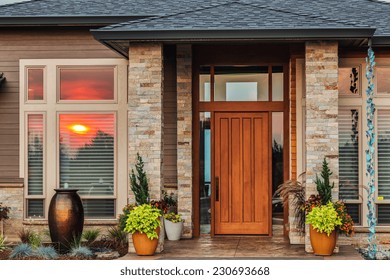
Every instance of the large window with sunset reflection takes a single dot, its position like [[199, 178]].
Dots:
[[87, 156], [74, 121]]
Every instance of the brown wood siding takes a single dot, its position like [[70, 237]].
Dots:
[[33, 43], [296, 52], [170, 117], [293, 118]]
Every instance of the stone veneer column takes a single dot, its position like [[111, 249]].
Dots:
[[321, 115], [145, 115], [184, 135], [145, 112]]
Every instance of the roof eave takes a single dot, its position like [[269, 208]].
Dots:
[[259, 34], [71, 20], [381, 40]]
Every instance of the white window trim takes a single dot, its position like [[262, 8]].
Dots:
[[52, 107]]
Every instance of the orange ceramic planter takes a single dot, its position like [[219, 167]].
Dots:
[[323, 245], [143, 245]]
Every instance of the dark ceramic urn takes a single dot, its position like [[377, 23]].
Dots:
[[66, 217]]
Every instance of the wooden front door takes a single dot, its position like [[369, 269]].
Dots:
[[241, 173]]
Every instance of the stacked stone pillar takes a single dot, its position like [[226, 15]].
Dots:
[[321, 115], [184, 135], [145, 114]]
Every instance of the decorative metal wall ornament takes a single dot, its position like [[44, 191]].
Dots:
[[370, 154]]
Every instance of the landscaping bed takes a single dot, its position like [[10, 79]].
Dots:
[[102, 250]]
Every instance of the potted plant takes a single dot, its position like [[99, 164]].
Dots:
[[326, 218], [324, 221], [173, 225], [143, 223]]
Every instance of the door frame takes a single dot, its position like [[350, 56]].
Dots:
[[236, 55]]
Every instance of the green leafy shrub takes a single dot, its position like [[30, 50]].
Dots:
[[35, 240], [324, 218], [48, 253], [21, 251], [139, 183], [81, 251], [173, 217], [2, 243], [144, 219], [91, 235]]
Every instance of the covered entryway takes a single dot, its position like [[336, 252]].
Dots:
[[241, 170], [240, 139]]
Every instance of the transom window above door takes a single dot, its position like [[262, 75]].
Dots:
[[241, 83]]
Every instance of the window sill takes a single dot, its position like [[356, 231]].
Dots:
[[379, 229], [110, 222]]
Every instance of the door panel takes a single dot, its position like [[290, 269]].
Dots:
[[242, 170]]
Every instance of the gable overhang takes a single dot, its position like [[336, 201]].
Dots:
[[119, 40]]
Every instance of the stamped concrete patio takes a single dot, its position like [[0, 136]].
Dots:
[[242, 247]]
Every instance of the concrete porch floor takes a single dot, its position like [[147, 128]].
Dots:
[[242, 247]]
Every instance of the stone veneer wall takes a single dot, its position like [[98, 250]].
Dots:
[[321, 64], [184, 135], [145, 114], [11, 195]]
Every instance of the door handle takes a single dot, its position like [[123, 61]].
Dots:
[[216, 188]]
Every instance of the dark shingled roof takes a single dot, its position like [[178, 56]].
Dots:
[[234, 16], [38, 8], [178, 15]]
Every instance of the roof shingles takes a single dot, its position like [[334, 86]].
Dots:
[[217, 14]]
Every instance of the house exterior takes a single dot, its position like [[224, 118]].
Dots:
[[224, 100]]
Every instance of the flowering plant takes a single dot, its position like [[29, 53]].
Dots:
[[347, 225], [4, 210]]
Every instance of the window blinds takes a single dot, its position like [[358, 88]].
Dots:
[[87, 160], [349, 153], [35, 207]]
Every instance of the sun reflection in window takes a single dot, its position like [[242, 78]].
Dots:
[[79, 128]]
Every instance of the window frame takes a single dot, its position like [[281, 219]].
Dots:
[[382, 101], [25, 91], [351, 64], [380, 65], [360, 200], [114, 195], [51, 108], [43, 195]]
